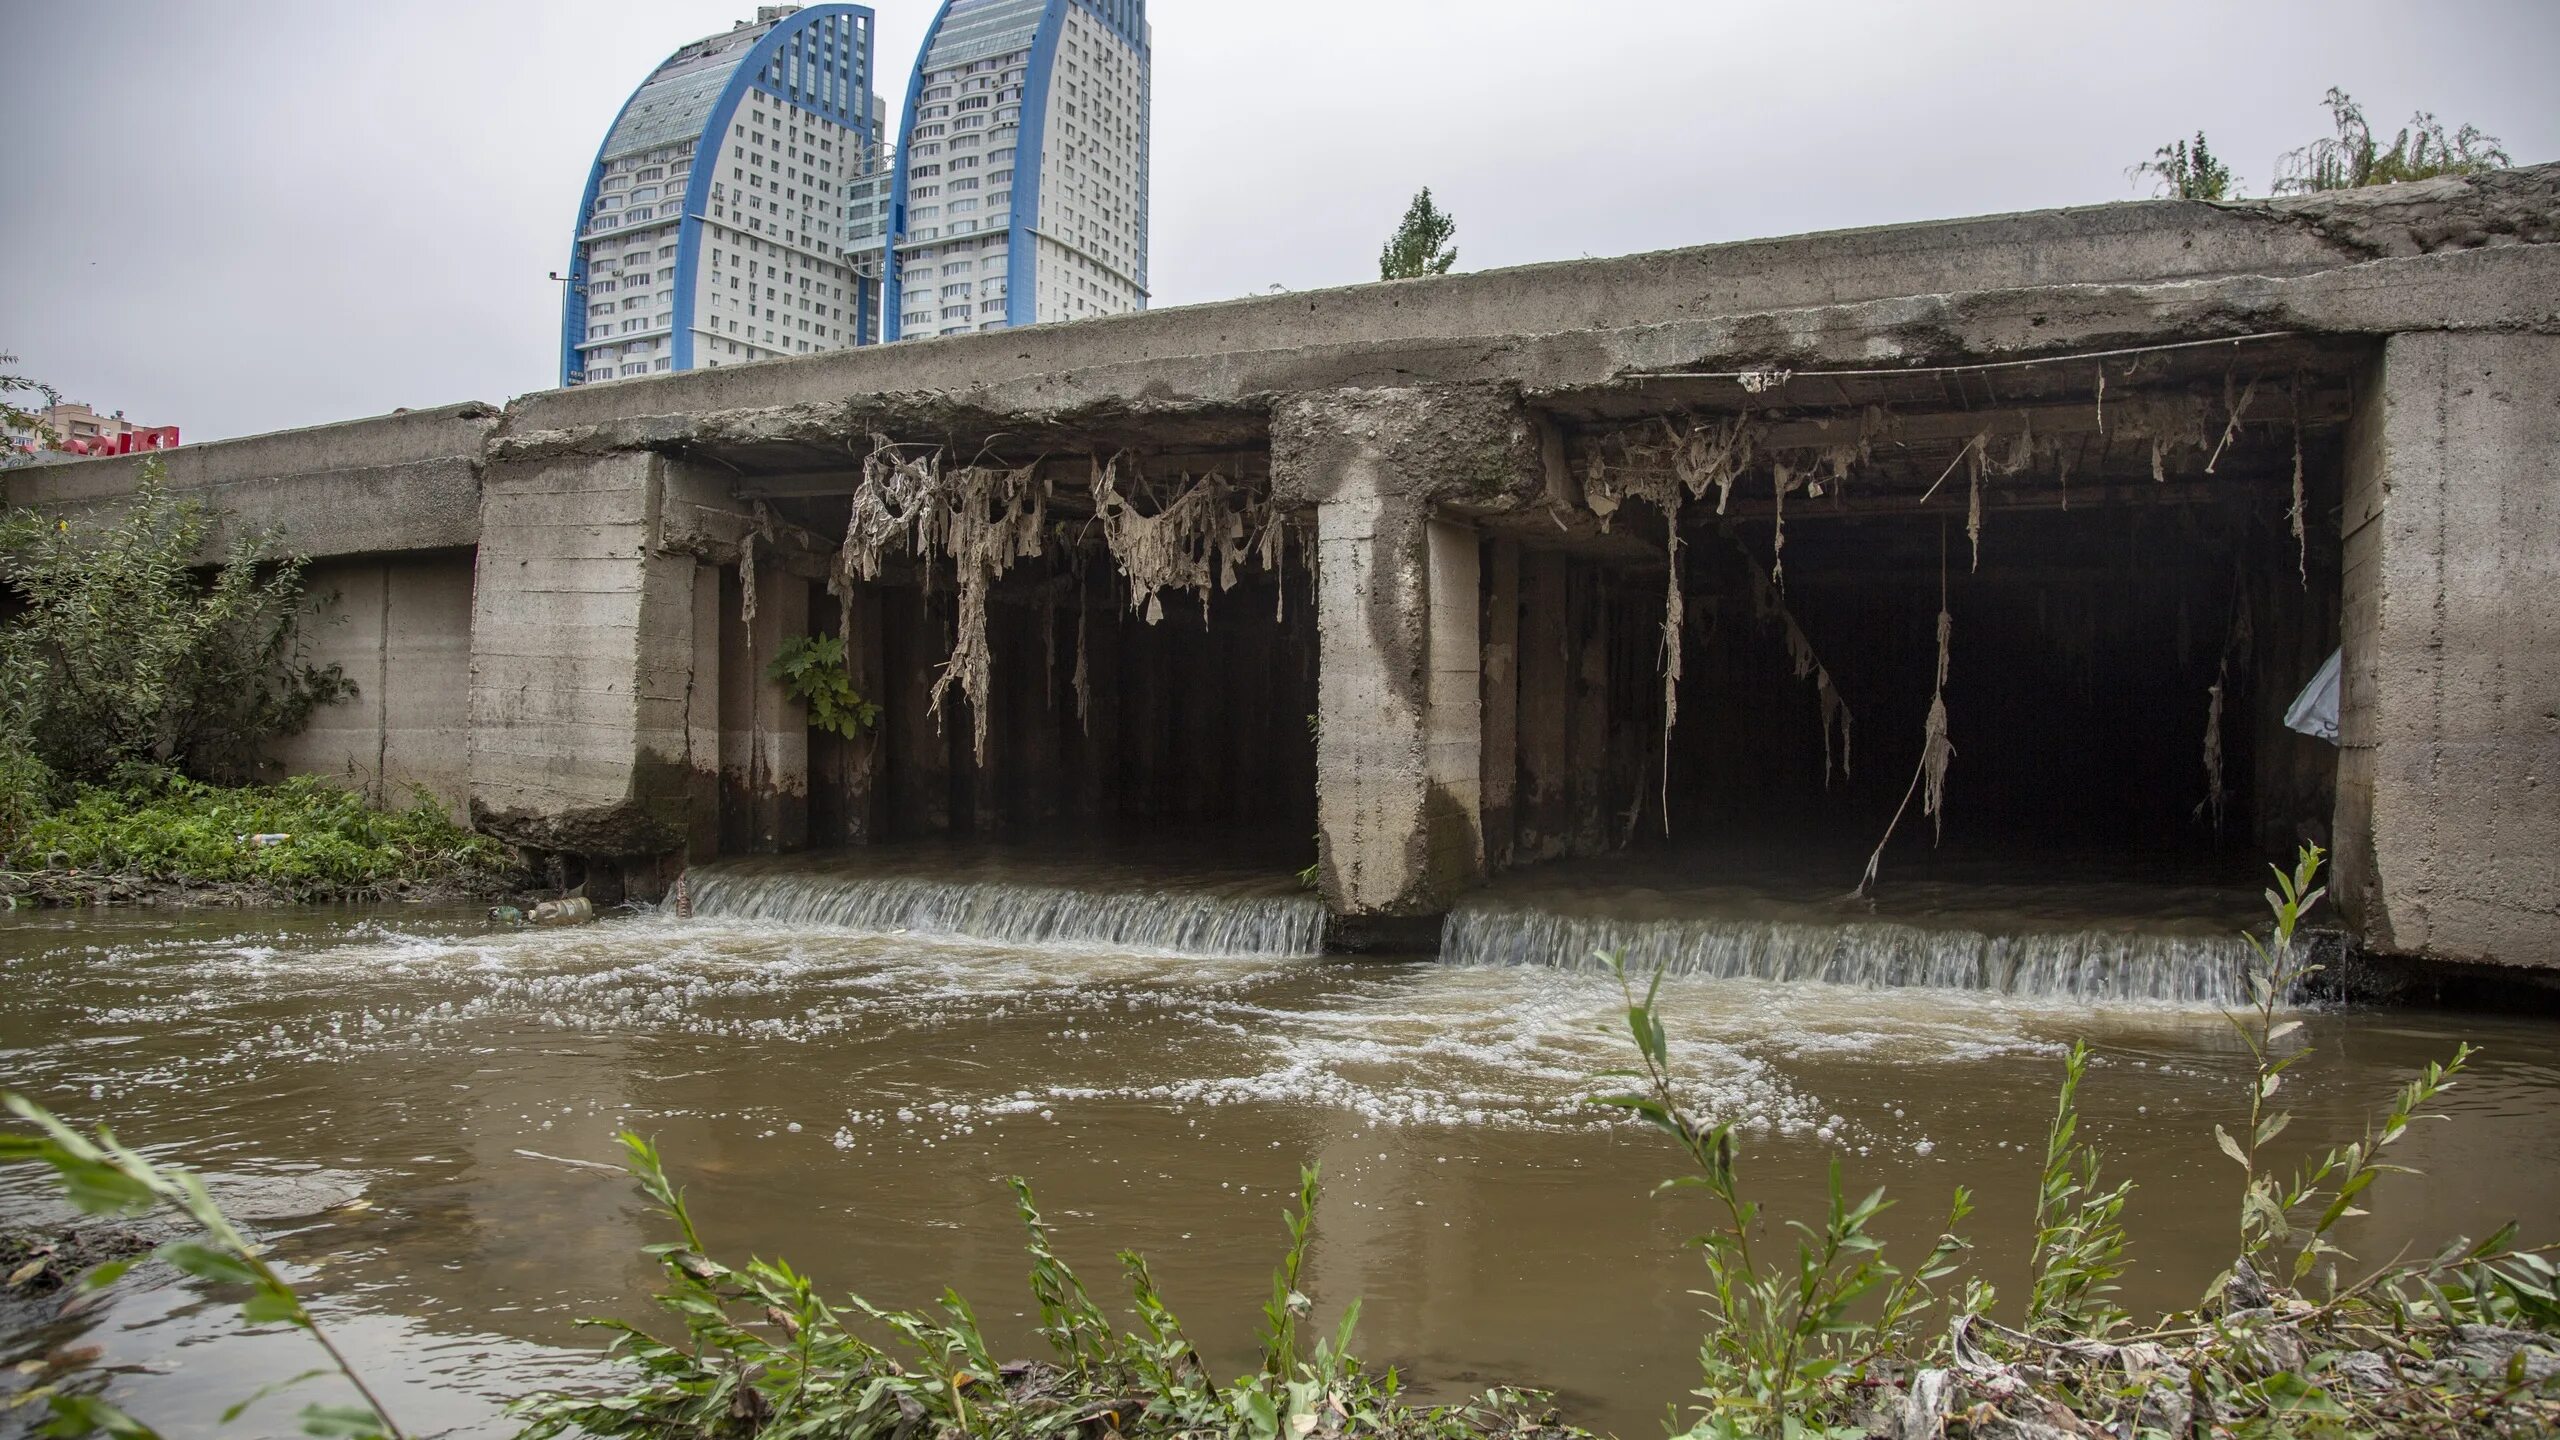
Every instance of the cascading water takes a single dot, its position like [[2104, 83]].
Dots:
[[1209, 920], [2092, 964]]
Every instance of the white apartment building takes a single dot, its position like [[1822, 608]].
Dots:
[[1020, 194], [735, 211]]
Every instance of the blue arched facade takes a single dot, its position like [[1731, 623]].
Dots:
[[1126, 18], [789, 62]]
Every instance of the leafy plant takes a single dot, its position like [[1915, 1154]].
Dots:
[[2188, 170], [105, 1177], [2352, 157], [812, 668], [1420, 245], [150, 827], [123, 655], [20, 423], [764, 1356], [1783, 1348], [2080, 1240]]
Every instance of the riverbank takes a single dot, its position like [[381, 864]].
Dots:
[[165, 840]]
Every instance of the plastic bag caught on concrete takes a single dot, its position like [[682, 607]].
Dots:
[[2315, 710]]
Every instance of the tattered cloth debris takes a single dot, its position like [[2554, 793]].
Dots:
[[2315, 710]]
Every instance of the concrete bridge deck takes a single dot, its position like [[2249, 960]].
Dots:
[[558, 612]]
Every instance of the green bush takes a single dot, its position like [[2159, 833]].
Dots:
[[155, 826], [126, 652]]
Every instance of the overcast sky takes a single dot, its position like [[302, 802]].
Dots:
[[246, 215]]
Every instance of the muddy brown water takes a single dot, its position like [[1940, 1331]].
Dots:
[[415, 1109]]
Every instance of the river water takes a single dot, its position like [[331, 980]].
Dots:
[[841, 1062]]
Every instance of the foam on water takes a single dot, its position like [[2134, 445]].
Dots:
[[2111, 965], [1219, 922]]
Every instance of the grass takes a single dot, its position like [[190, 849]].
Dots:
[[158, 836]]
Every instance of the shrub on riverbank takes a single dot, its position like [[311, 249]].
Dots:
[[127, 650], [155, 836]]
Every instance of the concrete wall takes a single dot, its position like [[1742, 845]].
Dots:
[[400, 627], [395, 482], [2449, 771], [582, 659], [1409, 331], [1406, 417]]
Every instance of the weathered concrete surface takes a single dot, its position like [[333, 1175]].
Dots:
[[582, 636], [400, 627], [2045, 278], [364, 487], [2449, 771], [1399, 791], [764, 733], [1404, 416]]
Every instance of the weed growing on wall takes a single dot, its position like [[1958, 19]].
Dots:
[[812, 668]]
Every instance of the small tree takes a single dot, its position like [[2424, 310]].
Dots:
[[16, 419], [1421, 244], [125, 654], [2187, 170], [2352, 157]]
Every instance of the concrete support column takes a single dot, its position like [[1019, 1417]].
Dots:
[[765, 762], [582, 653], [1501, 697], [1398, 745], [865, 662], [702, 717], [1399, 749], [2449, 759], [1544, 800]]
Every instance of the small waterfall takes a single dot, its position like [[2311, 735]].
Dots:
[[2089, 965], [1206, 922]]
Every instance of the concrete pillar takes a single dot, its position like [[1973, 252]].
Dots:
[[702, 717], [1095, 737], [1398, 840], [1544, 800], [2449, 759], [1453, 702], [582, 653], [777, 777], [918, 763], [866, 664], [1399, 750], [1501, 697], [1587, 724]]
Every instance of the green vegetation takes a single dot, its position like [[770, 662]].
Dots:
[[2346, 159], [1829, 1342], [763, 1355], [813, 669], [151, 835], [20, 419], [2459, 1343], [123, 654], [104, 1177], [138, 691], [1420, 245], [2188, 170], [2352, 157]]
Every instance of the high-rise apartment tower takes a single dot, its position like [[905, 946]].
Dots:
[[735, 211], [1021, 185]]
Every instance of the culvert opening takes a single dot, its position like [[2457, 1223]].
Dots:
[[1090, 668], [2030, 663]]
